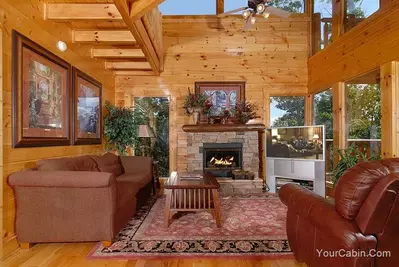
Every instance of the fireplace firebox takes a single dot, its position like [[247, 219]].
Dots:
[[222, 158]]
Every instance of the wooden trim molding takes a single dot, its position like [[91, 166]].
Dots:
[[199, 128], [389, 110]]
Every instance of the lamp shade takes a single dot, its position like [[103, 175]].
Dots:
[[144, 131], [316, 136], [274, 132]]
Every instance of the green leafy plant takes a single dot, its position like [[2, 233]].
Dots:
[[348, 158], [120, 129], [244, 111], [194, 101]]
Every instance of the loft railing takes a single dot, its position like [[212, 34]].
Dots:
[[322, 30]]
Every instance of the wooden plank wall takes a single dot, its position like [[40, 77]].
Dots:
[[271, 58], [372, 43], [26, 17]]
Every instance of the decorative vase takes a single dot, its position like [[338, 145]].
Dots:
[[196, 115]]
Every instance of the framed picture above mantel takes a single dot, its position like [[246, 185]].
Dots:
[[41, 95], [87, 125], [223, 96]]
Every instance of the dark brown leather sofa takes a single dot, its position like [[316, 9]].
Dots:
[[85, 198], [364, 218]]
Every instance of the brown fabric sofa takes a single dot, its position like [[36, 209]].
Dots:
[[365, 218], [85, 198]]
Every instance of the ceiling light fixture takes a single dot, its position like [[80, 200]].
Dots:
[[62, 46], [260, 8], [246, 14]]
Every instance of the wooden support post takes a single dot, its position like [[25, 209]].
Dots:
[[389, 110], [338, 17], [262, 155], [316, 36], [309, 110], [219, 7], [339, 117]]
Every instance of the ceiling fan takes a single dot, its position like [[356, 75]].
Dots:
[[254, 8]]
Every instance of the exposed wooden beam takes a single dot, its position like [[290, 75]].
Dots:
[[133, 73], [389, 110], [68, 12], [364, 48], [127, 65], [153, 23], [219, 6], [106, 36], [117, 53], [140, 7], [140, 34]]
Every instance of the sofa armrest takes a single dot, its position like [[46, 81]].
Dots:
[[61, 179], [323, 216], [135, 164]]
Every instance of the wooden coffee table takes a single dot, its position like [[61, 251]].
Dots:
[[192, 194]]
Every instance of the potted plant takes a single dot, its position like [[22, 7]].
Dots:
[[194, 104], [348, 158], [120, 130], [245, 111]]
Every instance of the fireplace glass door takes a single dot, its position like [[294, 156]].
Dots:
[[222, 159]]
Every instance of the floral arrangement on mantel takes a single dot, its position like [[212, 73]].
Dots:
[[195, 104], [245, 111]]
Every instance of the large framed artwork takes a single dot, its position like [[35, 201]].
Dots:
[[41, 95], [223, 95], [87, 126]]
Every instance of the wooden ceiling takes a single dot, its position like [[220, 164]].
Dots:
[[125, 34]]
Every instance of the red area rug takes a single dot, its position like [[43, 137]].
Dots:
[[252, 227]]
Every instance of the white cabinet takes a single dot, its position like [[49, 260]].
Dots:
[[300, 169]]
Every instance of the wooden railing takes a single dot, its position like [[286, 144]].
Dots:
[[322, 30]]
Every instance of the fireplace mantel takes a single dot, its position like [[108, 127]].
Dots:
[[199, 128]]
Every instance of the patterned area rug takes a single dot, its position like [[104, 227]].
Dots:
[[252, 226]]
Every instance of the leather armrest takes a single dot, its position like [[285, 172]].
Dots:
[[64, 179], [323, 216]]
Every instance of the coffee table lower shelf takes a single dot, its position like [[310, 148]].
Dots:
[[192, 200]]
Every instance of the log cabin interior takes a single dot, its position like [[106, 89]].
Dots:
[[199, 133]]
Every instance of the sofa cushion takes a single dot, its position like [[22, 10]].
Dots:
[[81, 163], [355, 185], [109, 163], [128, 185]]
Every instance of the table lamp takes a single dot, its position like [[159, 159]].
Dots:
[[144, 132]]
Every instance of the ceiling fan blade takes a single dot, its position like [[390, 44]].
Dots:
[[278, 12], [248, 23], [232, 12]]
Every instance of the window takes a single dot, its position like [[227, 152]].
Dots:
[[323, 115], [364, 113], [287, 111], [154, 112], [322, 27], [294, 6], [179, 7], [358, 10]]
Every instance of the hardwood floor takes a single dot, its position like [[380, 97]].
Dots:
[[74, 254]]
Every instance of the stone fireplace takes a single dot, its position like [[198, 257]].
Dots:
[[223, 148], [198, 143], [222, 158]]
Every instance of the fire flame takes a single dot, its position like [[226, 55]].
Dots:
[[222, 161]]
